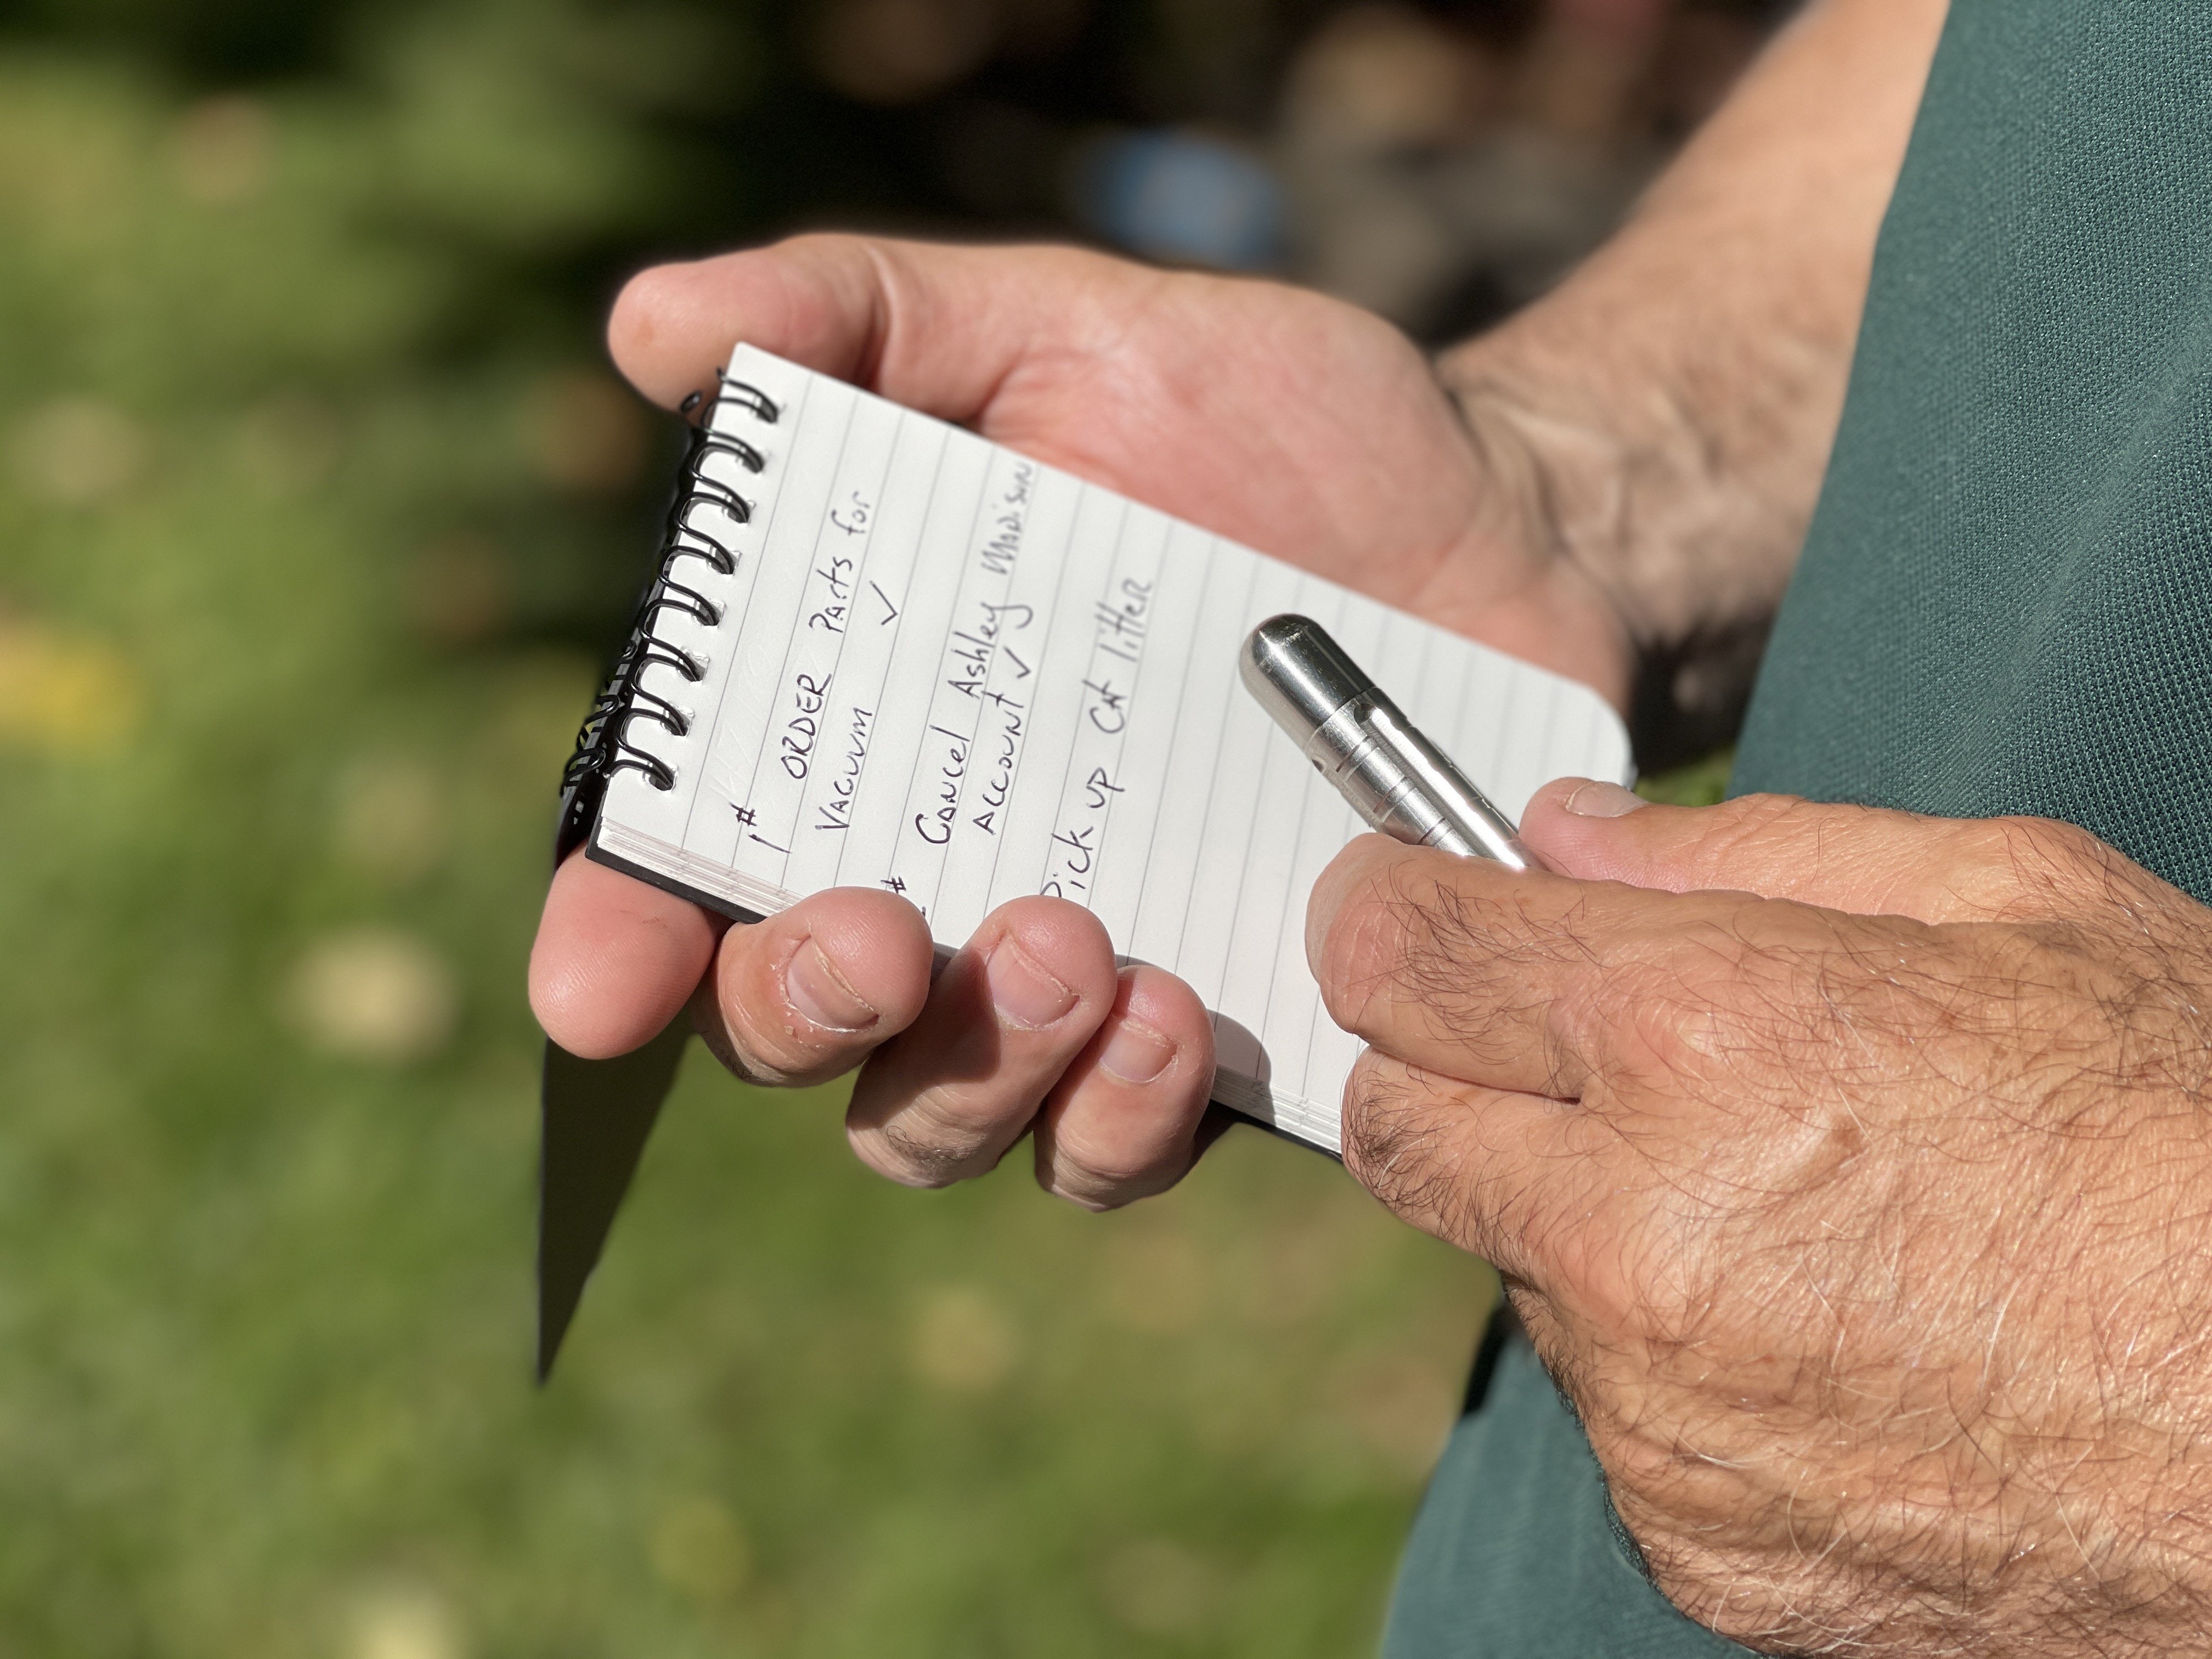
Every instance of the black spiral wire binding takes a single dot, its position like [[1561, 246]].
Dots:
[[603, 746]]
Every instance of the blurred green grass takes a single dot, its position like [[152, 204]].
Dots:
[[313, 510], [1701, 783]]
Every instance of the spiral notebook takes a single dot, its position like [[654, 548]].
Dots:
[[884, 652]]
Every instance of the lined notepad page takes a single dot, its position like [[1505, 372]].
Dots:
[[948, 670]]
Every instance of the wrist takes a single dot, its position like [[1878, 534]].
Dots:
[[1572, 488], [1635, 505]]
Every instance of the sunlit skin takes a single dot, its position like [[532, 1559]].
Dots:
[[1284, 419], [1558, 502], [1845, 1167], [1849, 1168]]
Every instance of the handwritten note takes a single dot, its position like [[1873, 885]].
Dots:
[[945, 670]]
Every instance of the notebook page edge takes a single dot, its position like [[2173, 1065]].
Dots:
[[663, 865]]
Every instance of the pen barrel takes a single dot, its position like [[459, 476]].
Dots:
[[1396, 780], [1401, 784]]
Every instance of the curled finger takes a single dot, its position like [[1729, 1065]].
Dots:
[[1465, 966], [1013, 1008], [808, 995], [1123, 1121], [1514, 1178]]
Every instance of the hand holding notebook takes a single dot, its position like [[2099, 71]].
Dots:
[[1273, 416]]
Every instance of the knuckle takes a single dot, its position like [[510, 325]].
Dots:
[[1103, 1183], [1427, 1151], [927, 1153], [1389, 1139], [1709, 1012], [1415, 1145], [1650, 1030], [2047, 843], [1079, 1168], [1645, 971], [1085, 1191], [1417, 948], [2041, 862], [2041, 849]]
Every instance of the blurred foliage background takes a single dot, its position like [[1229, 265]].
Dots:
[[319, 515]]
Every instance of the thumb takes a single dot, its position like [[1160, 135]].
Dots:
[[1867, 859], [936, 327]]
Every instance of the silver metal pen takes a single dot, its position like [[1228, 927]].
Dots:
[[1396, 780]]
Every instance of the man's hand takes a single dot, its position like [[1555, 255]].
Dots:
[[1630, 478], [1273, 416], [1850, 1172]]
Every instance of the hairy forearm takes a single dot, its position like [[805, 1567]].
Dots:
[[1663, 418]]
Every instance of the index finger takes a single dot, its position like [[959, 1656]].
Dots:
[[1528, 981]]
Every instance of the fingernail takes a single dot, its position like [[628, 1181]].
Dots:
[[819, 993], [1136, 1052], [1024, 993], [1603, 800]]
